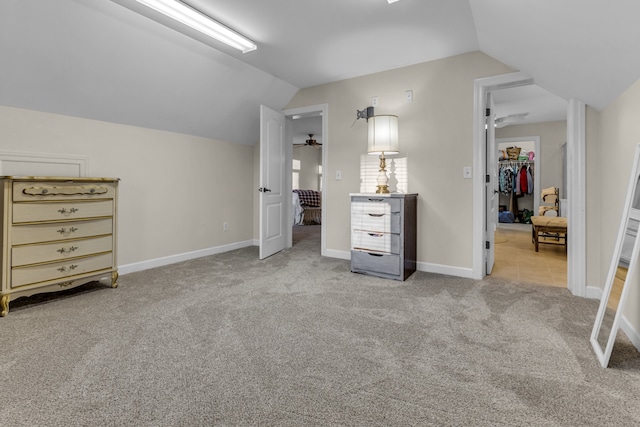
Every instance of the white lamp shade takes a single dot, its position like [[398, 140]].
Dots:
[[383, 135]]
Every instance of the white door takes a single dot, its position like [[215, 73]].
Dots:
[[273, 203], [491, 185]]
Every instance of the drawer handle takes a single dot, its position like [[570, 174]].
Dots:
[[64, 211], [378, 255], [376, 215], [375, 234], [67, 251], [376, 200], [71, 267], [64, 230]]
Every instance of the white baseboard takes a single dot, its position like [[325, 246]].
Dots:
[[421, 266], [172, 259], [332, 253], [428, 267], [594, 292]]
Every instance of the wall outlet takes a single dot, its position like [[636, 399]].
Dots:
[[466, 172], [374, 101], [225, 226]]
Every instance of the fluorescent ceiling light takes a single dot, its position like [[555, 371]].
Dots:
[[391, 1], [182, 13]]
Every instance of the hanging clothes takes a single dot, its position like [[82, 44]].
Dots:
[[515, 180], [524, 189]]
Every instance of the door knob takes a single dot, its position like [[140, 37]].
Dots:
[[264, 190]]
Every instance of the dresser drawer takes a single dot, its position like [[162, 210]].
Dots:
[[21, 276], [33, 254], [38, 233], [375, 262], [383, 222], [375, 241], [34, 212], [375, 204], [36, 191]]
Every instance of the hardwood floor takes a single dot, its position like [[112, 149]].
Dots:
[[516, 258]]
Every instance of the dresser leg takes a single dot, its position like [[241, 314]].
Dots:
[[4, 305], [114, 279]]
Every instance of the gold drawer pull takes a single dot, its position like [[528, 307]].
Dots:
[[67, 251], [71, 267], [64, 230], [64, 211]]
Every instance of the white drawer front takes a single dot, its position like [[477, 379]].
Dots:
[[32, 254], [370, 208], [375, 204], [34, 212], [35, 233], [21, 276], [375, 241], [35, 191], [382, 222]]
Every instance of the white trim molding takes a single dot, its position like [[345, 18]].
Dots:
[[172, 259], [576, 198], [449, 270]]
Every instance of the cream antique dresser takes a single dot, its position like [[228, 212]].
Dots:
[[57, 233], [383, 234]]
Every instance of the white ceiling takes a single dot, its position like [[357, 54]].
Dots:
[[117, 61]]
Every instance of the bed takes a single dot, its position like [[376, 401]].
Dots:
[[307, 208]]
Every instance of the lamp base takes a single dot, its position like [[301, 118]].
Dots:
[[383, 179], [382, 189]]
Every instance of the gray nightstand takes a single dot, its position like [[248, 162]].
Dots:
[[383, 234]]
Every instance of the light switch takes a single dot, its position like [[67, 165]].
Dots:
[[408, 95], [338, 175], [466, 172]]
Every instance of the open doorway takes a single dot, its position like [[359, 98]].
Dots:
[[530, 132], [308, 138]]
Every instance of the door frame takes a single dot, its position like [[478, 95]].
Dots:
[[576, 163], [492, 196], [323, 110]]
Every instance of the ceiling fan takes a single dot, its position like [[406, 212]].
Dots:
[[510, 119], [310, 142]]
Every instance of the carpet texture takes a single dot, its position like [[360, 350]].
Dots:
[[297, 339]]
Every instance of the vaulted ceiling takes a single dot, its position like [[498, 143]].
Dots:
[[118, 61]]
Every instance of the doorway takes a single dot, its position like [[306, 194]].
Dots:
[[530, 130], [308, 137], [483, 185]]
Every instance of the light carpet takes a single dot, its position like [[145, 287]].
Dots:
[[297, 339]]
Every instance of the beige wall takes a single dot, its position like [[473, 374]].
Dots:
[[436, 134], [620, 134], [175, 190], [552, 136], [310, 158]]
